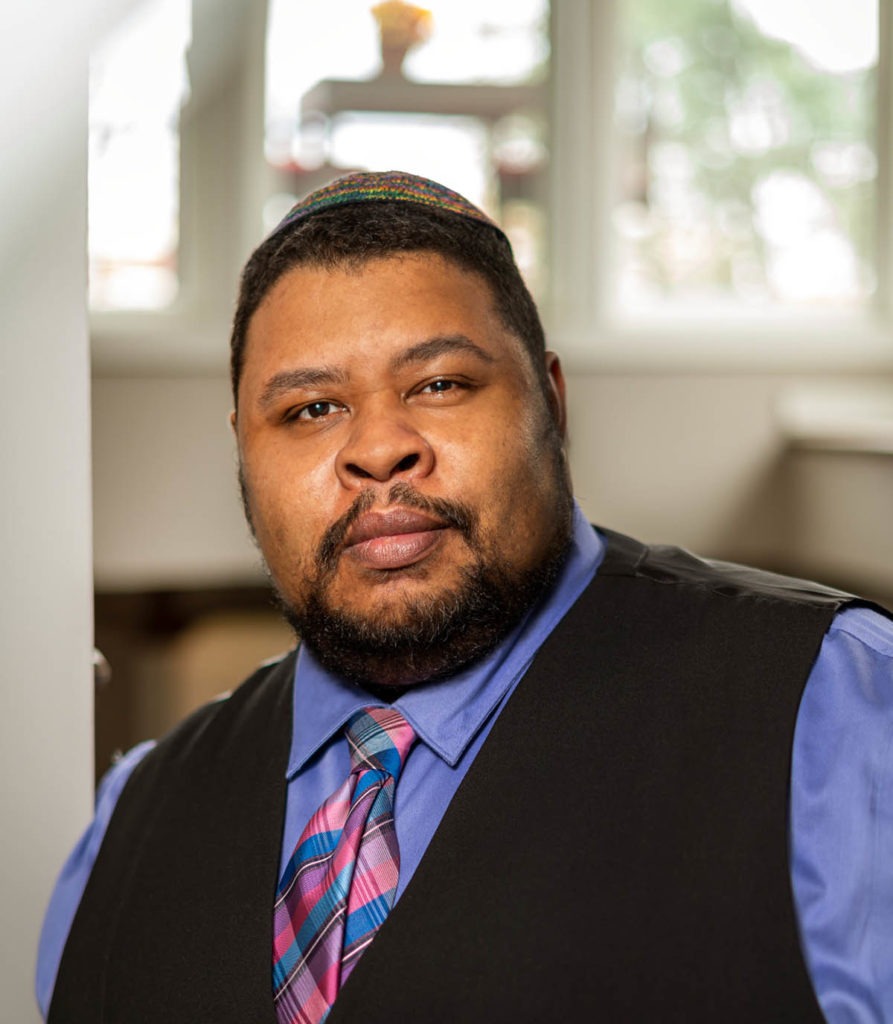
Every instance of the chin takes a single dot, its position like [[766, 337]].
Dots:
[[410, 628], [385, 592]]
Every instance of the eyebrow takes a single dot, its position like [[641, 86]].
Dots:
[[324, 376], [434, 347], [293, 380]]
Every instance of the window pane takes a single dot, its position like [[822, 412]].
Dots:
[[456, 92], [747, 173], [137, 84]]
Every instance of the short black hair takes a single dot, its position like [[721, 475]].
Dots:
[[352, 234]]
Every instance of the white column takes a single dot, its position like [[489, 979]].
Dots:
[[46, 697]]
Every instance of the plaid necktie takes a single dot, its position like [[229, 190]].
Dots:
[[340, 883]]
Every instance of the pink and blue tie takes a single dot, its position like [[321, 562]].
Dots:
[[340, 883]]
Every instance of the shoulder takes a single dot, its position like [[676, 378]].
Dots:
[[853, 672], [866, 628], [203, 739], [198, 749], [849, 695], [850, 689], [669, 565]]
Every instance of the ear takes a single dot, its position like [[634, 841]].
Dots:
[[556, 392], [233, 422]]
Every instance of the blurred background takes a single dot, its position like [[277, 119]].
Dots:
[[699, 195]]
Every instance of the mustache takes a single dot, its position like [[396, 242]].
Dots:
[[451, 513]]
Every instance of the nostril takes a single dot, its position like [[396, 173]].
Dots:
[[381, 467]]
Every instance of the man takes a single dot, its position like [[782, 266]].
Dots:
[[518, 769]]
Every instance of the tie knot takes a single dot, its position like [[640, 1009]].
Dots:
[[379, 738]]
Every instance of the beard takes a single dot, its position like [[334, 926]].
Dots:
[[434, 635]]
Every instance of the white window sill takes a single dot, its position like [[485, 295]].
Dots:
[[854, 418], [748, 344]]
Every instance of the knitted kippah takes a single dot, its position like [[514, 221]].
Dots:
[[384, 186]]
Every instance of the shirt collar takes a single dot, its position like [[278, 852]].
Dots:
[[448, 714]]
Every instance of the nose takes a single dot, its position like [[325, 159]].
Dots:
[[383, 446]]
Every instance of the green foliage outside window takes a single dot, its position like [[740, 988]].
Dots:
[[746, 170]]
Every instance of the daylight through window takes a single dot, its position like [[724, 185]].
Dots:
[[747, 171]]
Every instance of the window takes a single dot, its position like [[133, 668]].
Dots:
[[733, 213], [457, 93], [748, 159], [703, 182], [137, 85]]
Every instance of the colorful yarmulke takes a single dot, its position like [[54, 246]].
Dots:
[[384, 186]]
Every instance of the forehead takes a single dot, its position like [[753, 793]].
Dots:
[[347, 311]]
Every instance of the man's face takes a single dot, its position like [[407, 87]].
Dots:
[[395, 448]]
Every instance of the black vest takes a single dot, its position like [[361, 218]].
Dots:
[[617, 852]]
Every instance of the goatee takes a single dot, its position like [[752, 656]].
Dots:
[[436, 635]]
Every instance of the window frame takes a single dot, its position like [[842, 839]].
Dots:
[[584, 34], [224, 182]]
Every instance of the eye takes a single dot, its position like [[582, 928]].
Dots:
[[316, 410], [439, 387]]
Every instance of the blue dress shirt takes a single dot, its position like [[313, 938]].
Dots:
[[841, 806]]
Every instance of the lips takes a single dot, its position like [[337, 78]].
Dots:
[[394, 539]]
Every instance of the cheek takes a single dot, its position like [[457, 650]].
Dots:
[[524, 499], [287, 502], [504, 469], [499, 442], [284, 473]]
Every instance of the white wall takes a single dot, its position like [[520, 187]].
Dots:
[[46, 727], [702, 460], [167, 511]]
